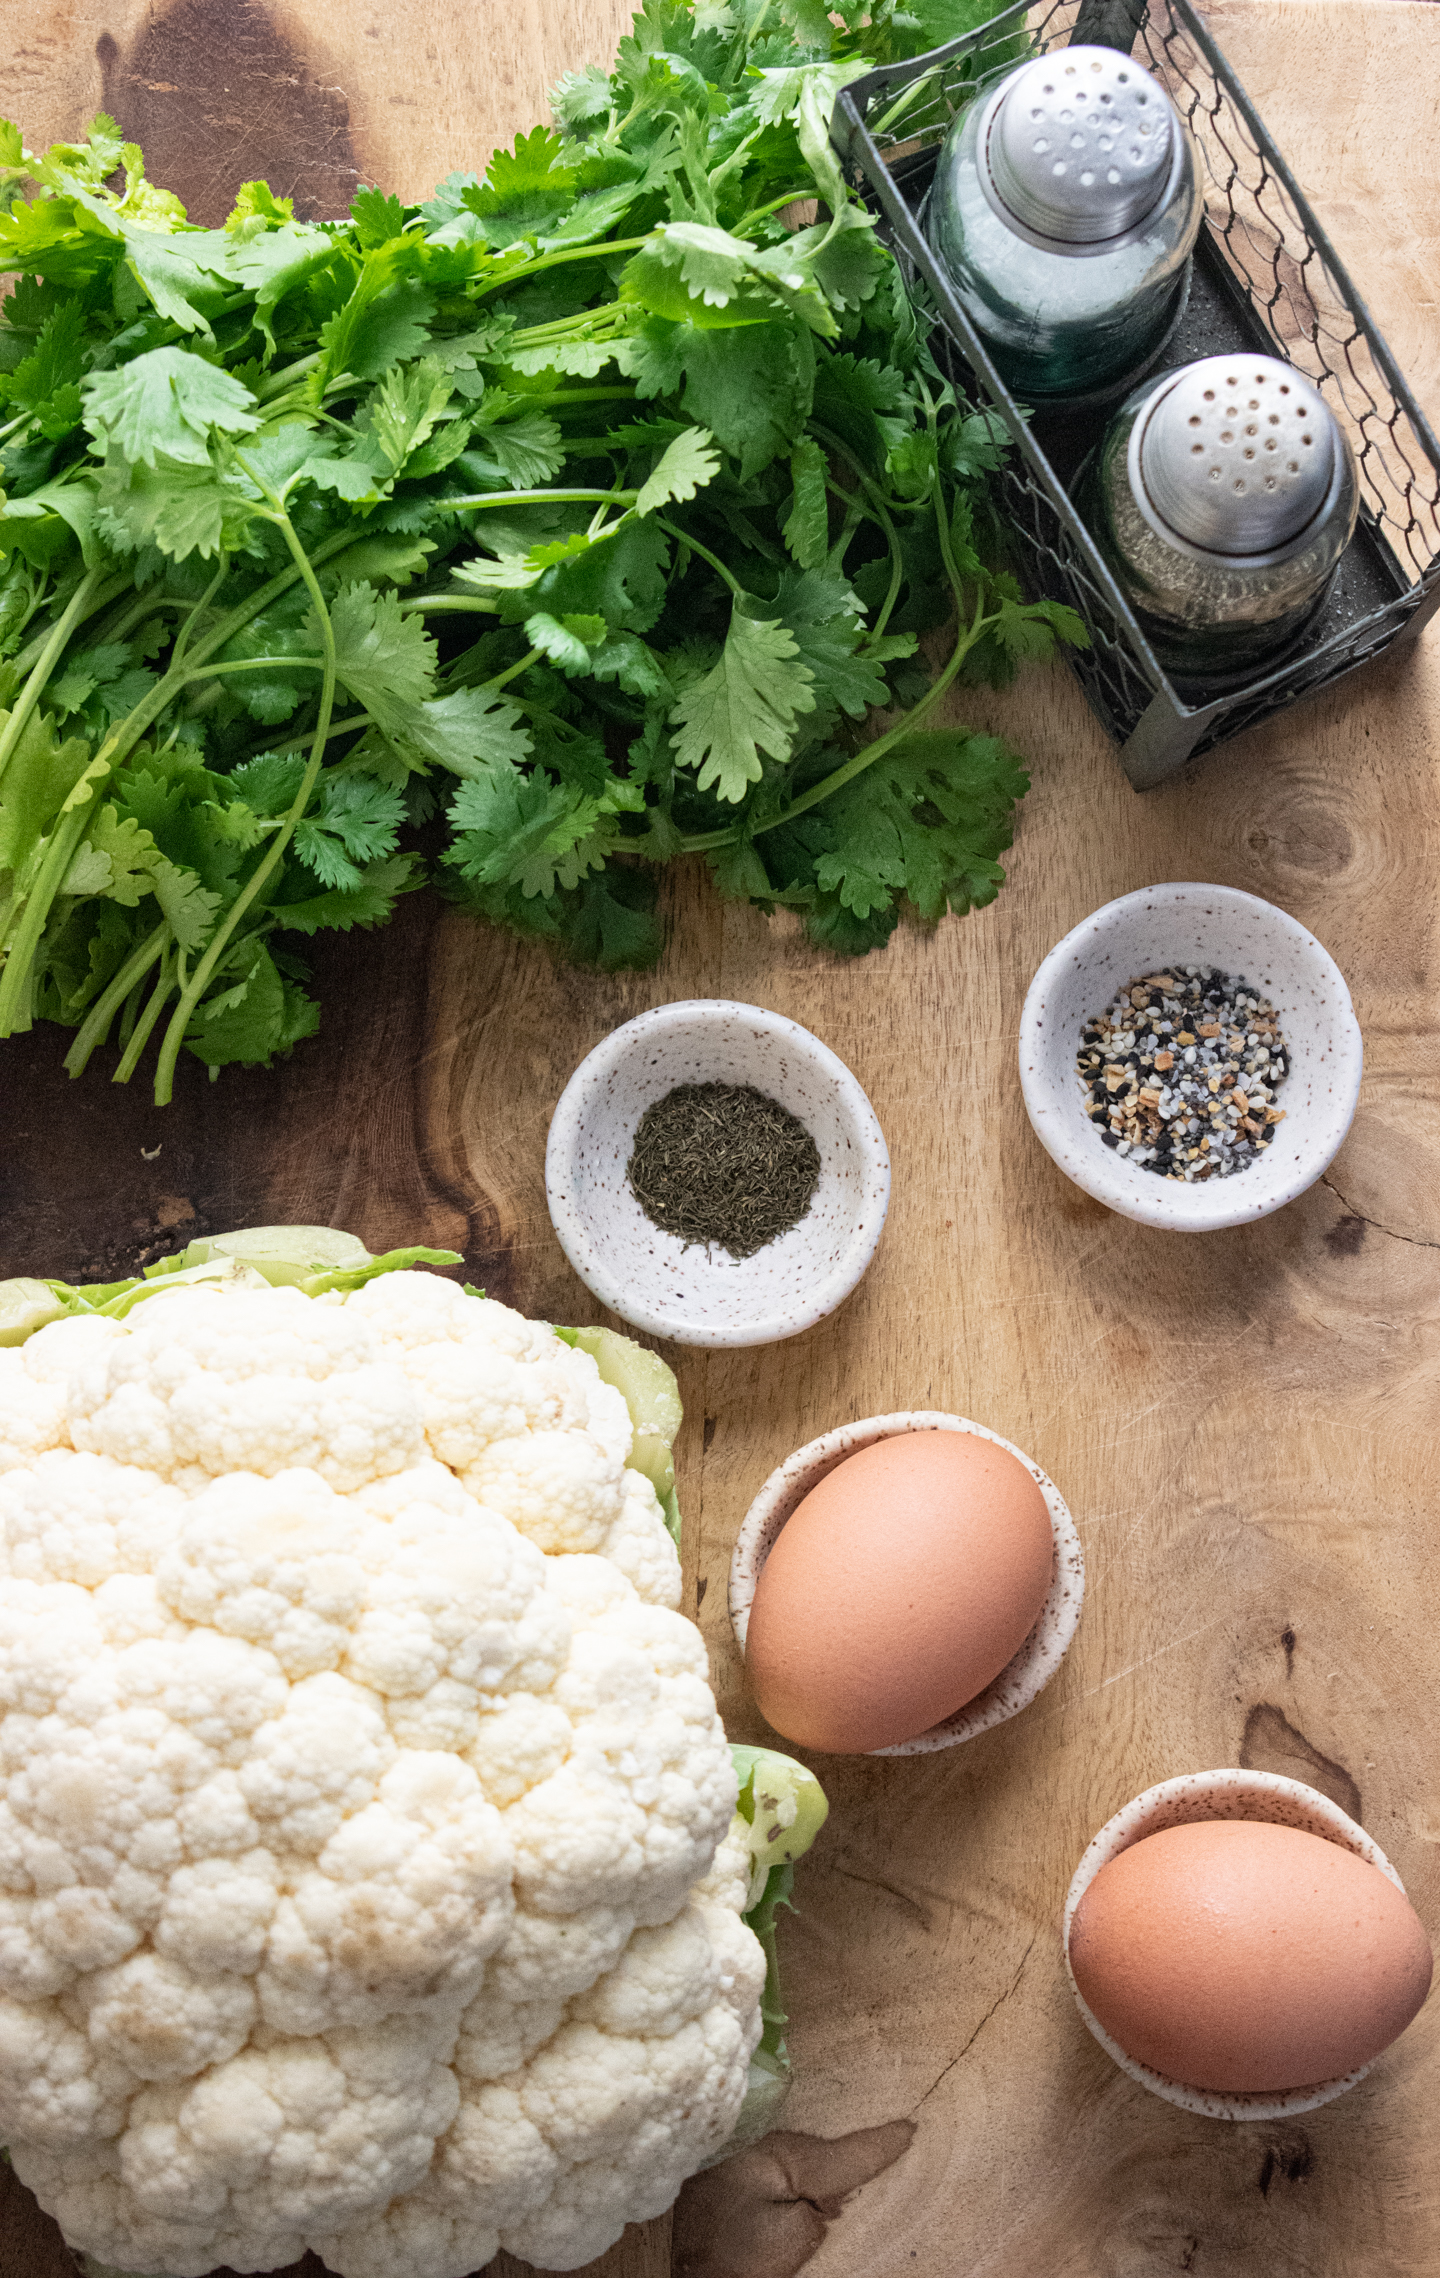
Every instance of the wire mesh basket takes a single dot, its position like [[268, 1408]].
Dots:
[[1265, 277]]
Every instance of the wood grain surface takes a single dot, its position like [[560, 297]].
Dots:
[[1243, 1424]]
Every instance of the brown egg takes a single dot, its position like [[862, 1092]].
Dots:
[[900, 1586], [1235, 1954]]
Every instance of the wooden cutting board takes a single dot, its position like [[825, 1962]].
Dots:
[[1243, 1425]]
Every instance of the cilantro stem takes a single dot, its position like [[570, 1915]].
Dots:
[[199, 980], [705, 842], [246, 664], [109, 591], [562, 396], [29, 695], [485, 498], [599, 249], [13, 426], [133, 611], [513, 671], [96, 1025], [600, 323], [774, 206], [278, 383], [857, 510], [682, 538], [448, 603], [182, 638], [129, 1014], [65, 837], [68, 831], [144, 1026]]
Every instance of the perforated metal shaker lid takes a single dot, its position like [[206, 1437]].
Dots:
[[1080, 146], [1239, 454]]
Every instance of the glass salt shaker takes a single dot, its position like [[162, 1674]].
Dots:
[[1065, 207], [1222, 496]]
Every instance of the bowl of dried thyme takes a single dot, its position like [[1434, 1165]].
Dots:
[[1190, 1056], [716, 1175]]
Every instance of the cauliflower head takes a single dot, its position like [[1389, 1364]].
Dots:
[[366, 1875]]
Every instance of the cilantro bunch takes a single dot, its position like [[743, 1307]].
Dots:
[[574, 520]]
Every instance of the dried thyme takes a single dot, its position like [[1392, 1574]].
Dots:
[[1181, 1073], [724, 1165]]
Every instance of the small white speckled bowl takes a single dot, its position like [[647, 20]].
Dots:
[[1037, 1660], [651, 1278], [1152, 931], [1224, 1794]]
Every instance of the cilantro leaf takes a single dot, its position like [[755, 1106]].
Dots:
[[926, 822], [189, 906], [752, 387], [268, 784], [166, 404], [39, 777], [526, 831], [277, 262], [358, 821], [747, 703], [806, 96], [377, 218], [687, 465], [117, 860], [806, 527], [382, 654], [466, 731], [368, 903], [44, 382], [179, 508], [445, 201], [271, 695], [566, 641], [384, 321], [524, 453], [257, 207], [255, 1016], [580, 97], [524, 190], [405, 409], [1031, 629]]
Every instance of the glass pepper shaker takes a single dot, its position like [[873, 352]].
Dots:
[[1065, 207], [1222, 496]]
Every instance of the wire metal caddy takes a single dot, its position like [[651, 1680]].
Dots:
[[1265, 277]]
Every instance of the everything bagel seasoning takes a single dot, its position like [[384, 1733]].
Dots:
[[1180, 1074]]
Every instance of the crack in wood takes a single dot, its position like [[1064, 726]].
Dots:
[[998, 2003], [1419, 1241]]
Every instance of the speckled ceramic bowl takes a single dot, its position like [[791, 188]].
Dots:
[[650, 1278], [1043, 1650], [1193, 925], [1225, 1794]]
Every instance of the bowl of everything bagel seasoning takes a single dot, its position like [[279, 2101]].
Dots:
[[1190, 1056], [1181, 1073]]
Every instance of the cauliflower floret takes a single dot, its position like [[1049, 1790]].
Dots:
[[84, 1518], [640, 1544], [365, 1879], [564, 1490], [250, 1380], [32, 1416], [33, 1381], [271, 1560], [407, 1310]]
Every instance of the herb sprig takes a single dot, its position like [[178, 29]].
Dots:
[[592, 506]]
